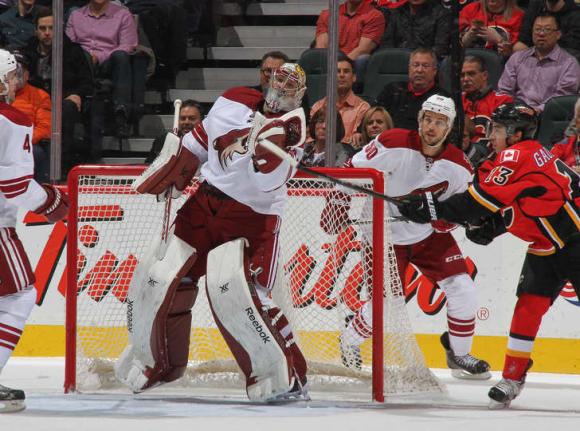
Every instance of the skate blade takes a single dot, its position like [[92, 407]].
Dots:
[[12, 406], [497, 405], [464, 375]]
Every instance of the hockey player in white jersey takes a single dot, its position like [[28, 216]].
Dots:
[[228, 229], [17, 189], [414, 162]]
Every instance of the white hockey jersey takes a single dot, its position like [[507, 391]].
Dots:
[[397, 153], [220, 143], [17, 186]]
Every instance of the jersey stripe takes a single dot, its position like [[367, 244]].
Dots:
[[200, 135], [14, 260], [15, 186], [483, 198]]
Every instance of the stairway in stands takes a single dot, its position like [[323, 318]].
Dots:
[[282, 25]]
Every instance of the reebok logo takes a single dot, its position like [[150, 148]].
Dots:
[[152, 282], [130, 316], [224, 288], [257, 326]]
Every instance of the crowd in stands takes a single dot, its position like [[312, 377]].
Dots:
[[535, 44]]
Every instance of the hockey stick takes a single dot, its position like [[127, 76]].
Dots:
[[167, 210]]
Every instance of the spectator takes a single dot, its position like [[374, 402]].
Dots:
[[479, 99], [416, 24], [270, 61], [314, 151], [77, 82], [108, 33], [190, 114], [475, 150], [569, 149], [351, 107], [491, 24], [567, 12], [375, 121], [17, 23], [5, 5], [35, 103], [360, 29], [543, 71], [402, 99]]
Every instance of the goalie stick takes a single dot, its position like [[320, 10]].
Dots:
[[168, 193]]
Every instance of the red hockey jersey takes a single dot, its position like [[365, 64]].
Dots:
[[537, 194], [568, 150], [480, 107]]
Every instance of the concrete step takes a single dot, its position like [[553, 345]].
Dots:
[[243, 52], [131, 145], [273, 36], [216, 78], [290, 8], [122, 160], [202, 96]]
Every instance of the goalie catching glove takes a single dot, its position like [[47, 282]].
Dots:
[[55, 207], [286, 132], [175, 166]]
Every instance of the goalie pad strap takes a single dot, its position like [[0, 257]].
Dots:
[[257, 345]]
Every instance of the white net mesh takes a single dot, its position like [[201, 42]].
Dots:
[[323, 280]]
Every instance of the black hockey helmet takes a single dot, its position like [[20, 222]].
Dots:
[[516, 116]]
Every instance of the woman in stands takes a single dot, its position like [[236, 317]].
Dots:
[[314, 151], [376, 120]]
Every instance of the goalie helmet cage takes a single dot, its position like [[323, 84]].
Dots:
[[322, 281]]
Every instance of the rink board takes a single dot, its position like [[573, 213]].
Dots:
[[498, 265]]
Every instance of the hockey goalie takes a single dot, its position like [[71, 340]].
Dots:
[[228, 230]]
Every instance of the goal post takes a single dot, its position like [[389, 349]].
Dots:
[[322, 281]]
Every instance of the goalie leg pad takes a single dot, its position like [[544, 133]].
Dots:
[[158, 318], [258, 346]]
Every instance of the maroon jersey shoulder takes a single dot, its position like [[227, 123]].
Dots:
[[14, 115], [246, 96], [455, 155], [400, 138]]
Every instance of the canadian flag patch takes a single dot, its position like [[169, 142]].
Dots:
[[510, 156]]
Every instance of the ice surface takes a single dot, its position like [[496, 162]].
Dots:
[[549, 402]]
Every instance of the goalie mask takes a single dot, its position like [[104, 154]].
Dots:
[[8, 76], [286, 88], [439, 105]]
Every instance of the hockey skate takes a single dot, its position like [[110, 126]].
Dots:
[[350, 355], [11, 400], [298, 392], [506, 390], [466, 366]]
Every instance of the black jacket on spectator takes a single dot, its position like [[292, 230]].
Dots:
[[77, 78], [17, 29], [568, 19], [403, 105], [428, 28]]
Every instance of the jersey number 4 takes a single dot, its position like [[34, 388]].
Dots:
[[26, 145]]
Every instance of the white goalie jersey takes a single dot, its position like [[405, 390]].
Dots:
[[221, 143]]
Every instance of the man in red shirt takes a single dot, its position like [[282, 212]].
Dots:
[[361, 27]]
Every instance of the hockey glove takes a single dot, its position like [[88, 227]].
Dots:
[[55, 207], [334, 216], [419, 208], [486, 230]]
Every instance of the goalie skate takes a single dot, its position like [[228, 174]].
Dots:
[[466, 366], [350, 355], [11, 400]]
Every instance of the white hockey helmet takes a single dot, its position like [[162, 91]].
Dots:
[[7, 64], [286, 88], [440, 105]]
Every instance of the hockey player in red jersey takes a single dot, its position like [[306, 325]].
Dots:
[[415, 162], [532, 194], [228, 230], [17, 189]]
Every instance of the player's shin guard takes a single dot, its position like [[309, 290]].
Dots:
[[256, 331], [525, 325], [158, 318]]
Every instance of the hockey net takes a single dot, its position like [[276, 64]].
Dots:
[[323, 280]]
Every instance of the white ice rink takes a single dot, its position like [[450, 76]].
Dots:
[[549, 402]]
